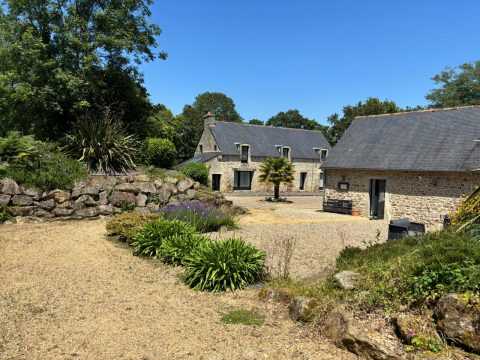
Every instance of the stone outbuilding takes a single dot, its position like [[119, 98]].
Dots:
[[412, 165], [233, 152]]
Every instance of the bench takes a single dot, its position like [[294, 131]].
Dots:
[[338, 206], [403, 227]]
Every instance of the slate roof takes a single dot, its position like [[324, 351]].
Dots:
[[204, 157], [262, 140], [432, 140]]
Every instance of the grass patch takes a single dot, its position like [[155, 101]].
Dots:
[[156, 173], [244, 317]]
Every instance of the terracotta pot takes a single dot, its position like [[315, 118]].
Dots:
[[355, 213]]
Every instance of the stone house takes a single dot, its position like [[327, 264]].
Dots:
[[233, 152], [412, 165]]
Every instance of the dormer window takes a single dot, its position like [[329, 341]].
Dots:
[[244, 153], [323, 154], [286, 152], [200, 147]]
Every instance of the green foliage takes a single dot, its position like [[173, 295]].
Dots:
[[159, 152], [124, 226], [458, 86], [196, 171], [6, 214], [162, 124], [372, 106], [64, 57], [100, 142], [244, 317], [176, 248], [294, 120], [275, 171], [468, 210], [37, 164], [256, 122], [148, 241], [228, 264], [423, 343]]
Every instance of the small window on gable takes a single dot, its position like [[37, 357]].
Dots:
[[244, 153], [215, 147], [323, 154], [200, 147], [286, 152]]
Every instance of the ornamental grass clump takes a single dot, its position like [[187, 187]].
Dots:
[[228, 264], [176, 248], [205, 218]]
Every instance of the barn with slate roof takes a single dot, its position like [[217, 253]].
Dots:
[[414, 165], [234, 152]]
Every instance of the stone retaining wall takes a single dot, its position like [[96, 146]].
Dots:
[[103, 195]]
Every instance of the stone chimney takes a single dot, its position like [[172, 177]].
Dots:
[[208, 119]]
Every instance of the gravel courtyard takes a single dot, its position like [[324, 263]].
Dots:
[[68, 293]]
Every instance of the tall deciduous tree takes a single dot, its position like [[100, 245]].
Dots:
[[458, 86], [58, 58], [372, 106]]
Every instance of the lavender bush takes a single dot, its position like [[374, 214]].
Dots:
[[204, 217]]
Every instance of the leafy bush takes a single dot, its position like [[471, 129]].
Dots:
[[100, 142], [6, 214], [196, 171], [148, 240], [244, 317], [124, 226], [159, 152], [468, 210], [203, 217], [34, 163], [228, 264], [176, 248]]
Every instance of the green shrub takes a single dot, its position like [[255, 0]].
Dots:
[[196, 171], [148, 240], [100, 142], [6, 214], [228, 264], [37, 164], [244, 317], [176, 248], [159, 152], [124, 226]]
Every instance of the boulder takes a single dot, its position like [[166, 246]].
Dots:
[[62, 211], [33, 193], [153, 207], [363, 339], [9, 187], [458, 321], [88, 212], [184, 185], [24, 210], [120, 198], [5, 199], [158, 183], [303, 308], [144, 210], [70, 204], [105, 209], [22, 200], [147, 188], [129, 187], [142, 200], [347, 280], [87, 190], [43, 213], [196, 185], [409, 326], [279, 295], [103, 198], [86, 200], [59, 196], [47, 204], [164, 194], [170, 180], [190, 193]]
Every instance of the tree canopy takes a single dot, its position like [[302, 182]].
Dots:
[[275, 171], [59, 58], [458, 86], [255, 122]]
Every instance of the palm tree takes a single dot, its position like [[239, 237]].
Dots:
[[276, 170]]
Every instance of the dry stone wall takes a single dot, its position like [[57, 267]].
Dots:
[[102, 195]]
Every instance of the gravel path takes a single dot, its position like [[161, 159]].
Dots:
[[68, 293]]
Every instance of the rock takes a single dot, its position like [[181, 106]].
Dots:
[[103, 198], [142, 200], [43, 213], [70, 204], [59, 196], [24, 210], [303, 308], [164, 194], [184, 185], [459, 321], [5, 199], [196, 185], [105, 209], [158, 183], [409, 326], [129, 187], [191, 194], [170, 180], [347, 280], [62, 212], [88, 212], [87, 190], [147, 188], [33, 193], [280, 295], [47, 204], [86, 200], [9, 187], [348, 334], [144, 210], [22, 200], [120, 199], [153, 207]]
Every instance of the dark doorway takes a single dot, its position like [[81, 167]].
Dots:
[[243, 180], [303, 177], [216, 182], [377, 198]]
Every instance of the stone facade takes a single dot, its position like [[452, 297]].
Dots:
[[424, 197]]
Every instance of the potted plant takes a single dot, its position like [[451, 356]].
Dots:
[[355, 212]]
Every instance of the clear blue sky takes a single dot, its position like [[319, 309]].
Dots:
[[312, 55]]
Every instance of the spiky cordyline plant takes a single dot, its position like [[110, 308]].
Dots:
[[275, 171], [100, 142]]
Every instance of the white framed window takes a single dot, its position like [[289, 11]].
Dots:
[[286, 152], [323, 154]]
